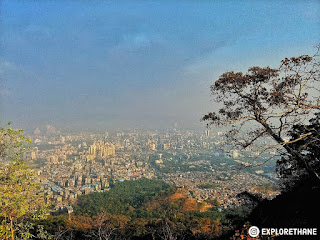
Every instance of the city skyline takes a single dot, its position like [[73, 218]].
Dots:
[[107, 65]]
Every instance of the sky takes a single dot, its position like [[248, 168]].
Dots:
[[137, 64]]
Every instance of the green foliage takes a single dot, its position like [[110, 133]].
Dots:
[[12, 143], [208, 186], [263, 187], [20, 199], [150, 207], [123, 198], [211, 213]]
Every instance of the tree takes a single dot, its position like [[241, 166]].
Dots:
[[20, 199], [103, 227], [167, 231], [12, 144], [267, 102], [289, 168]]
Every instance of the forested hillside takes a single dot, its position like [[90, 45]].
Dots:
[[143, 209]]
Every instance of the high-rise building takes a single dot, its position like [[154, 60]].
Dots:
[[37, 131], [100, 149], [166, 146], [152, 146], [235, 153], [93, 150]]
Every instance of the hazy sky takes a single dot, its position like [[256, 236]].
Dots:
[[120, 64]]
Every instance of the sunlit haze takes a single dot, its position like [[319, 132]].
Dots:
[[137, 64]]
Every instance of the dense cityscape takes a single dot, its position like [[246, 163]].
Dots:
[[159, 120], [201, 163]]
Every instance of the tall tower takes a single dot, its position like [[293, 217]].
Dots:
[[93, 150], [208, 132]]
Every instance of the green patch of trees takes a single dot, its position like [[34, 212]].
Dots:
[[21, 202], [123, 198]]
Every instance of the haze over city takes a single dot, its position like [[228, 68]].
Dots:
[[159, 120], [142, 64]]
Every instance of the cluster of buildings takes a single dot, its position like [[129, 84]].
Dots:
[[101, 150], [69, 170], [217, 185], [71, 165]]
